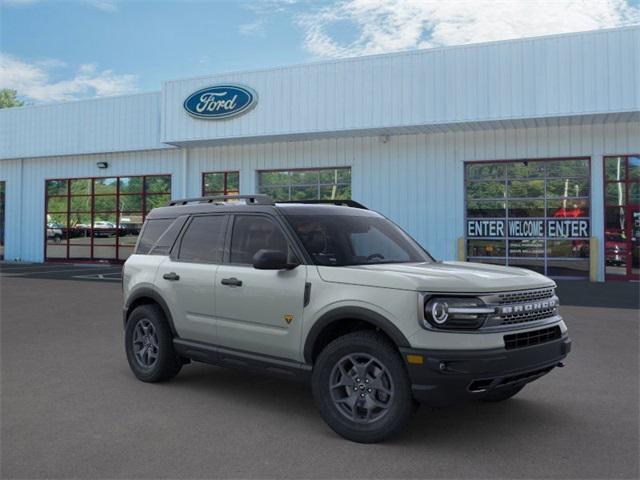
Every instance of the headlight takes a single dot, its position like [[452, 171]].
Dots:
[[456, 313]]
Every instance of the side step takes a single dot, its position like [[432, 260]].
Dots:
[[225, 357]]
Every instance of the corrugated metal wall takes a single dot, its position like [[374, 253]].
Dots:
[[585, 73], [115, 124], [417, 179]]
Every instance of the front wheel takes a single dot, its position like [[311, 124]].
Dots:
[[361, 387]]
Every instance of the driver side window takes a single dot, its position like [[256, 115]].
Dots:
[[252, 233]]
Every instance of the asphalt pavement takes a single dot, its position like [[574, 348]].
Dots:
[[71, 407]]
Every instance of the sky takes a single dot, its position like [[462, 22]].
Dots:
[[55, 50]]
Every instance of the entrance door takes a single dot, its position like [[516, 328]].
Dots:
[[622, 217]]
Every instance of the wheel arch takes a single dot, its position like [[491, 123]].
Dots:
[[148, 296], [343, 320]]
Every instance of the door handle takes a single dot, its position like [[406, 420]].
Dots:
[[173, 276], [231, 282]]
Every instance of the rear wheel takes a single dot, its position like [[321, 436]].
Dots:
[[149, 345], [502, 394], [361, 387]]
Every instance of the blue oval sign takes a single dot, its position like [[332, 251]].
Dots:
[[220, 101]]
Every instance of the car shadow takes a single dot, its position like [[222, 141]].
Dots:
[[470, 423]]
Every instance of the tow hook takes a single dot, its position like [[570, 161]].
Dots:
[[560, 364]]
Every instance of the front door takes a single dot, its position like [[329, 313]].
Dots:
[[622, 217], [187, 278], [259, 310]]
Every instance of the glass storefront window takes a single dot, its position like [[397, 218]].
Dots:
[[100, 218], [2, 196], [308, 184], [622, 217], [530, 213], [220, 183]]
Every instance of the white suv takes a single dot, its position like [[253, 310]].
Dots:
[[338, 295]]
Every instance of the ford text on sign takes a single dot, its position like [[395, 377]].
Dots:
[[220, 102]]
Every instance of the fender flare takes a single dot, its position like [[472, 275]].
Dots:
[[146, 292], [352, 313]]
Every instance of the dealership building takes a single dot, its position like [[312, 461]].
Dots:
[[522, 152]]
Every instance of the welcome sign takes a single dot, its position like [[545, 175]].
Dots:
[[220, 102], [528, 228]]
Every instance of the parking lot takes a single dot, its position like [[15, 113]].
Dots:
[[71, 407]]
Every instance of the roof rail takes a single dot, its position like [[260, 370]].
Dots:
[[220, 199], [341, 203]]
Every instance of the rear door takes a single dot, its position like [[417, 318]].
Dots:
[[259, 311], [187, 277]]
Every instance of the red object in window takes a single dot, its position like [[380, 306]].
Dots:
[[569, 213]]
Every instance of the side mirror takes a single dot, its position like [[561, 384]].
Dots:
[[272, 260]]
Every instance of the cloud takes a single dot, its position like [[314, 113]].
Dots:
[[253, 28], [380, 26], [34, 80]]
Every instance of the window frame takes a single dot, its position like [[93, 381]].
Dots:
[[91, 212], [226, 190], [292, 240], [318, 185], [510, 260]]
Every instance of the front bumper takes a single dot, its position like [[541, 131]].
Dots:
[[447, 377]]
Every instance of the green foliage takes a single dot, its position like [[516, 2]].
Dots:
[[8, 98]]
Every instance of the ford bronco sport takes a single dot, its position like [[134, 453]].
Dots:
[[337, 294]]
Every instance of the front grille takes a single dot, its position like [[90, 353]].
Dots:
[[528, 339], [515, 298], [508, 298]]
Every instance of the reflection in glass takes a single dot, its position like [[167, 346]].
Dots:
[[104, 203], [634, 168], [311, 184], [486, 248], [526, 208], [568, 248], [568, 268], [80, 204], [80, 186], [485, 209], [158, 184], [615, 194], [526, 248], [634, 194], [57, 204], [568, 208], [526, 189], [568, 168], [486, 190], [485, 171], [105, 186], [130, 185], [614, 168], [56, 187], [526, 169], [570, 187]]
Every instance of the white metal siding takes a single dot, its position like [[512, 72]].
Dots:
[[416, 180], [114, 124], [558, 76]]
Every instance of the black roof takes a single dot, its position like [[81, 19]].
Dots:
[[257, 203]]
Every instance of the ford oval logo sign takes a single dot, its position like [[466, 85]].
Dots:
[[220, 101]]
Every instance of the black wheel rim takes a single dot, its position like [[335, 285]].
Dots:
[[361, 388], [145, 343]]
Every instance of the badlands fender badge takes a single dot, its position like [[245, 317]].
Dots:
[[288, 318]]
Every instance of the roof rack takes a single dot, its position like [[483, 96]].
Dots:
[[341, 203], [220, 199]]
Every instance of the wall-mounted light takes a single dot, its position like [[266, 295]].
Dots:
[[102, 165]]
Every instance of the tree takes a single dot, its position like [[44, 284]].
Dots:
[[8, 98]]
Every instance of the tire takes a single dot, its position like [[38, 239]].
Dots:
[[147, 330], [502, 394], [369, 409]]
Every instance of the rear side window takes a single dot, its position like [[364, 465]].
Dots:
[[151, 233], [168, 238], [203, 241]]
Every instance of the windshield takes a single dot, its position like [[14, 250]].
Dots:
[[343, 240]]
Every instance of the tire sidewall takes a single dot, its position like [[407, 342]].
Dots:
[[167, 360], [402, 404]]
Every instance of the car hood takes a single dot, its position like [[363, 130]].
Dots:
[[458, 277]]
